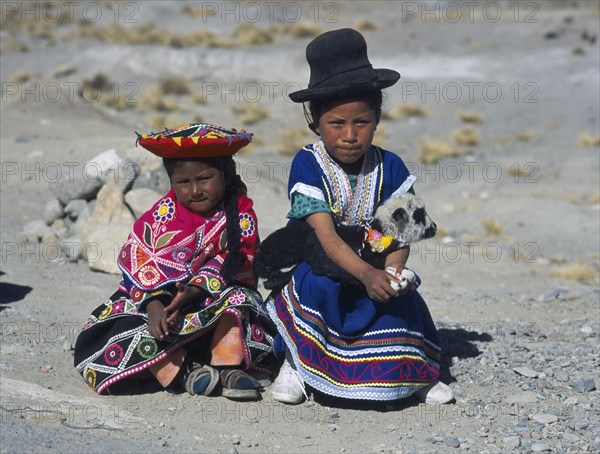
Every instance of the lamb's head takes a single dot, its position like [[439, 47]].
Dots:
[[403, 216]]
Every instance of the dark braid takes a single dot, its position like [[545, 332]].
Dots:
[[234, 188]]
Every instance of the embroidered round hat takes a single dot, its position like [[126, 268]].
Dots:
[[339, 67], [196, 140]]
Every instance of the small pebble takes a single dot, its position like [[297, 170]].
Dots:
[[544, 418], [526, 372], [540, 447], [453, 442]]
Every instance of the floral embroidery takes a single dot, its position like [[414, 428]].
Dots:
[[147, 348], [257, 333], [118, 307], [214, 284], [237, 297], [105, 313], [90, 378], [164, 212], [182, 254], [148, 275], [246, 224], [113, 354]]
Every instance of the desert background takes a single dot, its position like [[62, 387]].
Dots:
[[496, 114]]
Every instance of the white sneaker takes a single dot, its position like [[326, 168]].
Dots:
[[288, 387], [436, 393]]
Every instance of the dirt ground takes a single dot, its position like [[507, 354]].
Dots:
[[512, 280]]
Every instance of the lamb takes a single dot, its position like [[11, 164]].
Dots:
[[399, 221]]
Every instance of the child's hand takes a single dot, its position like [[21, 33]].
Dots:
[[157, 320], [377, 284], [186, 294]]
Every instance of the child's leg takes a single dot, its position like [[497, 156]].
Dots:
[[226, 346], [167, 369]]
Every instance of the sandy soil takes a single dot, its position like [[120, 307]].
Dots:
[[511, 282]]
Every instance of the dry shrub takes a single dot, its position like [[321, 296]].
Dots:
[[20, 77], [505, 141], [575, 271], [199, 98], [471, 117], [466, 136], [175, 85], [197, 12], [250, 113], [63, 70], [161, 122], [517, 172], [407, 110], [587, 140], [117, 102], [525, 136], [366, 25], [593, 199], [291, 140], [492, 226], [17, 46], [441, 232], [154, 99], [432, 151], [302, 30], [206, 38], [248, 34]]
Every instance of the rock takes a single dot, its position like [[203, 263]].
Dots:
[[571, 400], [102, 245], [84, 216], [141, 200], [52, 211], [540, 447], [107, 230], [157, 180], [72, 248], [453, 442], [561, 375], [66, 346], [74, 208], [34, 231], [146, 161], [552, 295], [586, 329], [109, 167], [544, 418], [579, 424], [74, 183], [583, 386], [59, 228], [524, 397], [526, 372], [511, 443]]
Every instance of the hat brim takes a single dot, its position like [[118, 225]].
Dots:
[[175, 144], [385, 78]]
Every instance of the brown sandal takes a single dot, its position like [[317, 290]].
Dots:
[[201, 380], [238, 384]]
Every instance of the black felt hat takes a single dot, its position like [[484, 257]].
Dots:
[[339, 67]]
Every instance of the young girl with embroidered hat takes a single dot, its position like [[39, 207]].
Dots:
[[378, 344], [187, 311]]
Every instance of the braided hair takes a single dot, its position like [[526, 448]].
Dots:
[[234, 188]]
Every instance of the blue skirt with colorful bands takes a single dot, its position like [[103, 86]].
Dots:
[[346, 345]]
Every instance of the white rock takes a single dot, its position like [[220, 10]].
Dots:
[[526, 372], [544, 418], [52, 211], [141, 200], [34, 231], [102, 246]]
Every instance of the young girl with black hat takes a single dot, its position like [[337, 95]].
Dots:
[[378, 344], [186, 311]]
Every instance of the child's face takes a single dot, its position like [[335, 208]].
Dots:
[[347, 128], [198, 187]]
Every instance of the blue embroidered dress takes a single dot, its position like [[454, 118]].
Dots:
[[343, 343]]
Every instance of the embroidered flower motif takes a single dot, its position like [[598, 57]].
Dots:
[[164, 212], [246, 224], [237, 297], [105, 313], [214, 284], [113, 354], [137, 295], [148, 275], [147, 348], [90, 378], [118, 307], [257, 333], [182, 254]]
